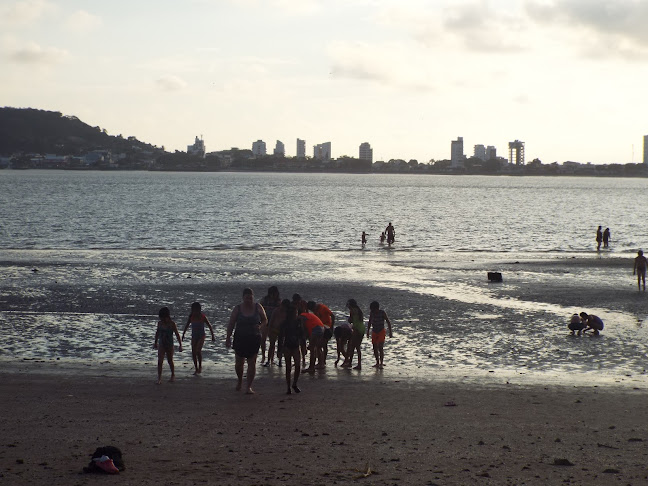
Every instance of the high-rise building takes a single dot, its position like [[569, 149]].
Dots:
[[322, 151], [491, 152], [280, 149], [457, 153], [516, 153], [301, 148], [645, 157], [480, 152], [366, 152], [198, 148], [258, 148]]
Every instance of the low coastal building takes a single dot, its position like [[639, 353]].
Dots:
[[198, 148]]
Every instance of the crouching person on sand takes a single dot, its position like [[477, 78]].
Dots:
[[576, 324], [592, 323]]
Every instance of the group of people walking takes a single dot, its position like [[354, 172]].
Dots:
[[292, 329]]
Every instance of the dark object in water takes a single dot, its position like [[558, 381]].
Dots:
[[112, 452], [494, 276]]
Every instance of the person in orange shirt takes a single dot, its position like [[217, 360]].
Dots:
[[377, 320], [315, 333], [328, 319]]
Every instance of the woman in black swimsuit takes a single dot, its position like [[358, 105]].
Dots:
[[246, 321], [291, 333]]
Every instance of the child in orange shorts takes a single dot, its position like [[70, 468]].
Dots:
[[377, 319]]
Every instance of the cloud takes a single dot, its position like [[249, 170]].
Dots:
[[33, 53], [23, 12], [292, 7], [171, 82], [388, 64], [82, 22], [615, 28]]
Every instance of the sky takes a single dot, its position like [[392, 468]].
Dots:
[[567, 77]]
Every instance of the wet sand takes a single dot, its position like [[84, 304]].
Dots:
[[201, 431]]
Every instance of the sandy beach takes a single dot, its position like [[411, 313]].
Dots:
[[200, 431], [413, 423]]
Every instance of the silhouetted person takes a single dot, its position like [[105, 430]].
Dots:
[[364, 239], [391, 232], [606, 237], [640, 265], [599, 238]]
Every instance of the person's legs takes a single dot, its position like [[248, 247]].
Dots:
[[169, 355], [160, 363], [375, 351], [271, 350], [194, 354], [251, 372], [296, 359], [264, 338], [287, 355], [381, 353], [357, 341], [238, 366], [200, 342]]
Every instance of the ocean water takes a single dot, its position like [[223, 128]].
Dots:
[[87, 258]]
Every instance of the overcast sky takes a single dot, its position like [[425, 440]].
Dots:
[[567, 77]]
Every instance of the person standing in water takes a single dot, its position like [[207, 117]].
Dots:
[[391, 233], [364, 239], [197, 320], [599, 238], [606, 237], [163, 342], [640, 264]]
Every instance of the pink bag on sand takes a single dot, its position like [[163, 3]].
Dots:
[[107, 464]]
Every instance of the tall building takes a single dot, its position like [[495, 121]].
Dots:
[[457, 153], [491, 152], [516, 153], [322, 151], [366, 152], [480, 152], [280, 149], [301, 148], [259, 148], [645, 158], [198, 148]]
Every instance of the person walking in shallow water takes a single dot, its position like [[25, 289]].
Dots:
[[640, 264], [599, 238], [246, 321], [606, 237], [198, 320], [163, 342], [391, 233]]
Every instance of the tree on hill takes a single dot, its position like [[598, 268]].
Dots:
[[29, 130]]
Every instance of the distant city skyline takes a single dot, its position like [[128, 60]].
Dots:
[[567, 77]]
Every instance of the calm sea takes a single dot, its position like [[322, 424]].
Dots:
[[328, 212], [100, 239]]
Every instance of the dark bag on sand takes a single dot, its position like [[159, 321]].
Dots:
[[112, 452]]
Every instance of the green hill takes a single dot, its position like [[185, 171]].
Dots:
[[29, 130]]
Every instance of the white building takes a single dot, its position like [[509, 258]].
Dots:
[[258, 148], [366, 152], [198, 148], [480, 152], [301, 148], [322, 151], [280, 149], [457, 153]]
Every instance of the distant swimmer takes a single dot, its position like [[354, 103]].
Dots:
[[382, 238], [640, 264], [364, 239], [599, 238], [391, 233], [592, 323], [606, 237]]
